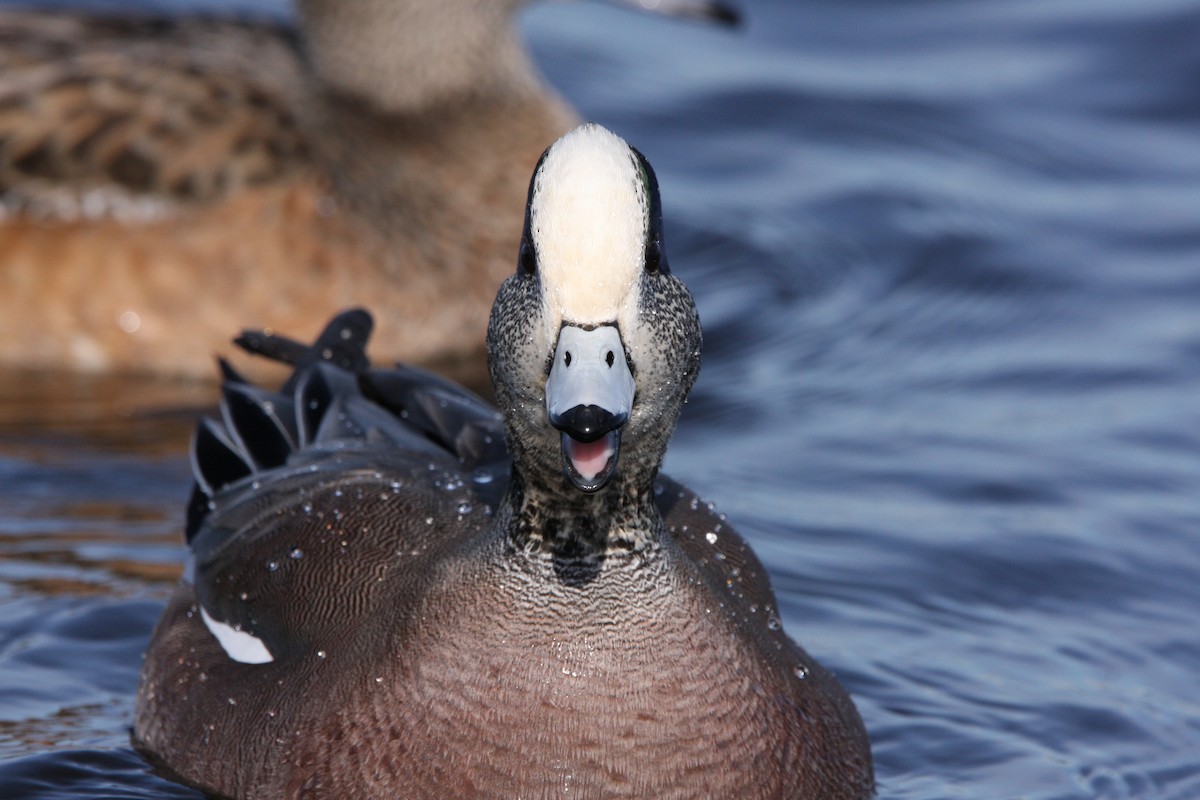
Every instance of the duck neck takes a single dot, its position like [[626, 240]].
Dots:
[[570, 526], [407, 57], [426, 112]]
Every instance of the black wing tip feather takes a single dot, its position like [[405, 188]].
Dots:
[[332, 394], [260, 429]]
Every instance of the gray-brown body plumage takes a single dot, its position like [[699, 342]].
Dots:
[[448, 616]]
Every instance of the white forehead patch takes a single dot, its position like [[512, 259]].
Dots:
[[588, 222]]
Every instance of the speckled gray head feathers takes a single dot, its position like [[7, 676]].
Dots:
[[593, 344]]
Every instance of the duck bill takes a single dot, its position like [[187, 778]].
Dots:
[[713, 11], [589, 397]]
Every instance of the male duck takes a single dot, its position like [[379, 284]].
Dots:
[[387, 602], [156, 173]]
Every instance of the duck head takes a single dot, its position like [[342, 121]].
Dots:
[[593, 344]]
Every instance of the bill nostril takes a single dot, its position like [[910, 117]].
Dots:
[[610, 358], [567, 359]]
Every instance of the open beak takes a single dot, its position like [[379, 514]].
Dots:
[[589, 396]]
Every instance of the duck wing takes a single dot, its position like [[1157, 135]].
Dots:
[[97, 111], [329, 483]]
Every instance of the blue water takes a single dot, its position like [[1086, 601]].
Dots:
[[947, 255]]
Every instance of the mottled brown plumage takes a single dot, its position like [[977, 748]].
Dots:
[[159, 176]]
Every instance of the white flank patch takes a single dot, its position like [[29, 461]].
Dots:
[[238, 645], [588, 220]]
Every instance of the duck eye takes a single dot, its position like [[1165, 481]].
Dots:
[[527, 259], [653, 255]]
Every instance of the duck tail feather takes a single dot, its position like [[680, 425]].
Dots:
[[271, 346], [343, 342]]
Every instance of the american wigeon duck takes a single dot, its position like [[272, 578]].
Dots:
[[398, 591], [160, 176]]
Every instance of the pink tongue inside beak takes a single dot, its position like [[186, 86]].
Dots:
[[589, 458]]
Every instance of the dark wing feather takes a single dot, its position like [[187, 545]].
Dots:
[[313, 395], [262, 423], [342, 459], [454, 417], [333, 400], [216, 460]]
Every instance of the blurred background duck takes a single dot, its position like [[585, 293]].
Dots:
[[207, 174]]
